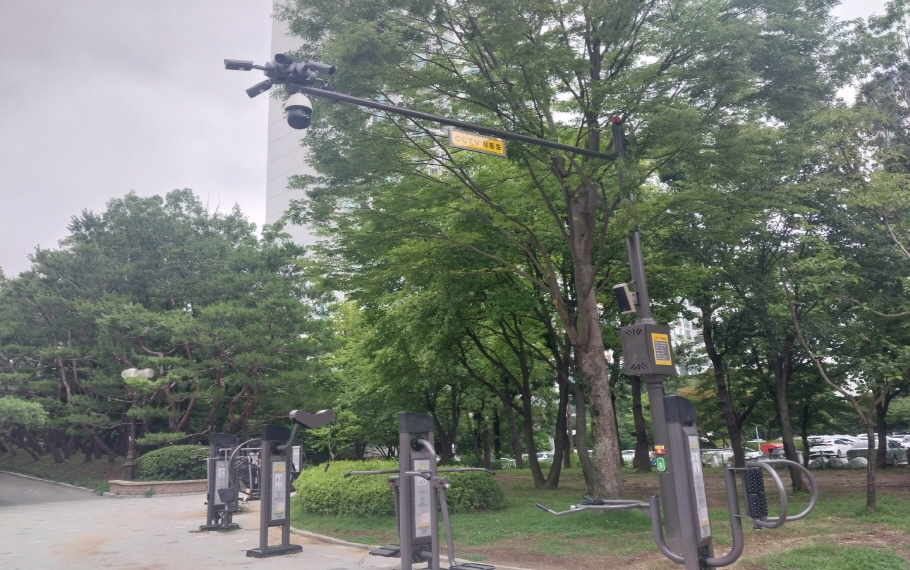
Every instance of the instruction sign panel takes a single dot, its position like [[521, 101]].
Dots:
[[661, 346], [295, 458], [422, 490], [701, 497], [279, 491], [221, 479], [480, 143]]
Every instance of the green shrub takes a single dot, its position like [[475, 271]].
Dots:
[[327, 492], [172, 463], [471, 492]]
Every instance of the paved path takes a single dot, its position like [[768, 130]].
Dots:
[[76, 530], [16, 490]]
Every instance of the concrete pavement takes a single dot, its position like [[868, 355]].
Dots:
[[63, 528], [18, 490]]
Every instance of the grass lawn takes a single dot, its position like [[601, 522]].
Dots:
[[838, 535]]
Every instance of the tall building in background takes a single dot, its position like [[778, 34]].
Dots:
[[285, 153]]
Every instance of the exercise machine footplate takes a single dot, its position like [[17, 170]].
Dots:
[[472, 566], [390, 551]]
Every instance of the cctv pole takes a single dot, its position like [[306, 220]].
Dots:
[[653, 382], [301, 78]]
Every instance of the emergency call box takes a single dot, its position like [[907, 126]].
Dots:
[[646, 349]]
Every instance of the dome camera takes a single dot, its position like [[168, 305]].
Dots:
[[298, 111]]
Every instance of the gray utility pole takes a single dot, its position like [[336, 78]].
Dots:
[[647, 354]]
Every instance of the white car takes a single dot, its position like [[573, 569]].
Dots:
[[828, 447], [852, 438]]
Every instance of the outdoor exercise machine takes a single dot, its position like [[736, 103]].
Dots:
[[682, 454], [416, 506], [221, 497], [232, 469], [276, 466]]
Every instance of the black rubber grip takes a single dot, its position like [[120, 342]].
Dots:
[[754, 487]]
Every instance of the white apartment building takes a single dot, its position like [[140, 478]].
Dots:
[[285, 153]]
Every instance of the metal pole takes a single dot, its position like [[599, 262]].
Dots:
[[654, 382], [335, 96], [265, 492]]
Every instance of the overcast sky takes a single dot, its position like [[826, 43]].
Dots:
[[100, 97]]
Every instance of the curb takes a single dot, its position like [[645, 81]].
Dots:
[[331, 539], [340, 542], [142, 496], [94, 492]]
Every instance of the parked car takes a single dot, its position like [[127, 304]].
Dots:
[[778, 453], [829, 447], [716, 457], [628, 455], [904, 439], [752, 453], [719, 456], [895, 454], [548, 455]]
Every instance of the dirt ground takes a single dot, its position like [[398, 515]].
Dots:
[[831, 483]]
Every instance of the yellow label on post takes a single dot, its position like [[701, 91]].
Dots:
[[661, 345], [480, 143]]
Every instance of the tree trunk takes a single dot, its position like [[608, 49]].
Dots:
[[559, 442], [33, 441], [497, 434], [20, 441], [607, 460], [86, 449], [804, 432], [567, 438], [786, 431], [881, 428], [487, 456], [513, 433], [870, 468], [527, 424], [110, 453], [69, 448], [642, 459], [723, 389], [581, 437], [50, 439]]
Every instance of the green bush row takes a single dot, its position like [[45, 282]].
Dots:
[[327, 492], [172, 463]]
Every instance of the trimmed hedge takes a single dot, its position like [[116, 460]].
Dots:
[[327, 492], [172, 463]]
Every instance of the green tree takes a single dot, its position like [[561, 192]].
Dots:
[[225, 319], [689, 74]]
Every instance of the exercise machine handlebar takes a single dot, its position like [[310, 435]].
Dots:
[[813, 487]]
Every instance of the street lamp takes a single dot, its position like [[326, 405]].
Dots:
[[129, 466]]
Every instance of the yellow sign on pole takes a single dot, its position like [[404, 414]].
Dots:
[[480, 143], [661, 345]]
